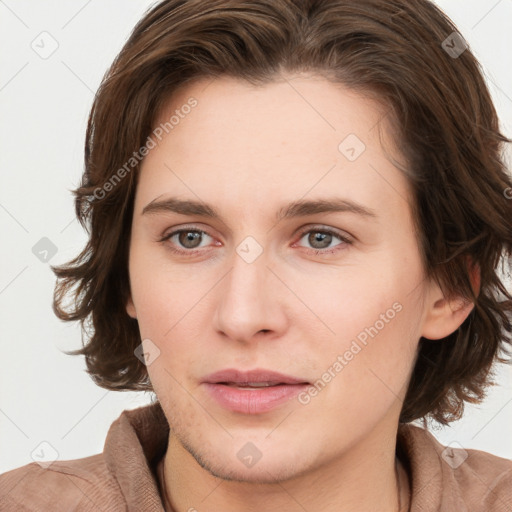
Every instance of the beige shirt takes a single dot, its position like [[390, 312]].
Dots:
[[125, 478]]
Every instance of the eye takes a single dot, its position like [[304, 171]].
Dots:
[[188, 241], [321, 239], [185, 240]]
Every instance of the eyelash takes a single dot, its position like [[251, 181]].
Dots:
[[192, 252]]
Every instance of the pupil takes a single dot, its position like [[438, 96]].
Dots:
[[320, 237], [187, 237]]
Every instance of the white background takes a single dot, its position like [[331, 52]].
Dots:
[[46, 395]]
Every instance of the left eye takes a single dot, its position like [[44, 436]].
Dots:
[[321, 239]]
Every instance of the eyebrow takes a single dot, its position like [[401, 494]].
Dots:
[[300, 208]]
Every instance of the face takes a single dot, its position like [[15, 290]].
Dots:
[[268, 278]]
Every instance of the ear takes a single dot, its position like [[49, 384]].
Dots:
[[130, 308], [444, 316]]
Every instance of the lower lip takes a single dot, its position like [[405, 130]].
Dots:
[[256, 400]]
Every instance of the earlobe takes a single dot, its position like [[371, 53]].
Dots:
[[474, 275], [445, 316], [130, 308]]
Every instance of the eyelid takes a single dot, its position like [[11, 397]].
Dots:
[[344, 237], [175, 231]]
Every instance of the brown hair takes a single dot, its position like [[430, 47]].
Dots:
[[447, 129]]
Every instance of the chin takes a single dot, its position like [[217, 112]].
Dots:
[[263, 473], [247, 464]]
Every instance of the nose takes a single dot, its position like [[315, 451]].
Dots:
[[250, 304]]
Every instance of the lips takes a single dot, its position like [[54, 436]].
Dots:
[[252, 392], [258, 378]]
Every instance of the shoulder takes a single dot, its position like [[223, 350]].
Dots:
[[120, 476], [483, 480], [454, 477], [82, 484]]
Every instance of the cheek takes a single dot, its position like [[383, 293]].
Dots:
[[374, 319], [352, 299], [365, 372], [162, 297]]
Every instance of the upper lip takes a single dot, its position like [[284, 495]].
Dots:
[[233, 376]]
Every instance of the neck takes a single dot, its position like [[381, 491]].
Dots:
[[362, 479]]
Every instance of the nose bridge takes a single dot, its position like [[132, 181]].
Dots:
[[249, 301]]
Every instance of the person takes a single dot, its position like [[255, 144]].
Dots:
[[297, 215]]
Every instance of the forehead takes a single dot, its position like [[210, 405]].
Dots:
[[297, 106], [294, 136]]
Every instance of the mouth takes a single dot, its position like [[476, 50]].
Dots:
[[252, 385], [252, 378], [253, 392]]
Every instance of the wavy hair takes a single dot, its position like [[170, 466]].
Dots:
[[401, 51]]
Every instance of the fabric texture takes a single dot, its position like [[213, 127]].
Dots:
[[125, 476]]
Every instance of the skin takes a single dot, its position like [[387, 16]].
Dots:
[[248, 151]]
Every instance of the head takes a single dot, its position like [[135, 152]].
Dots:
[[391, 306]]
